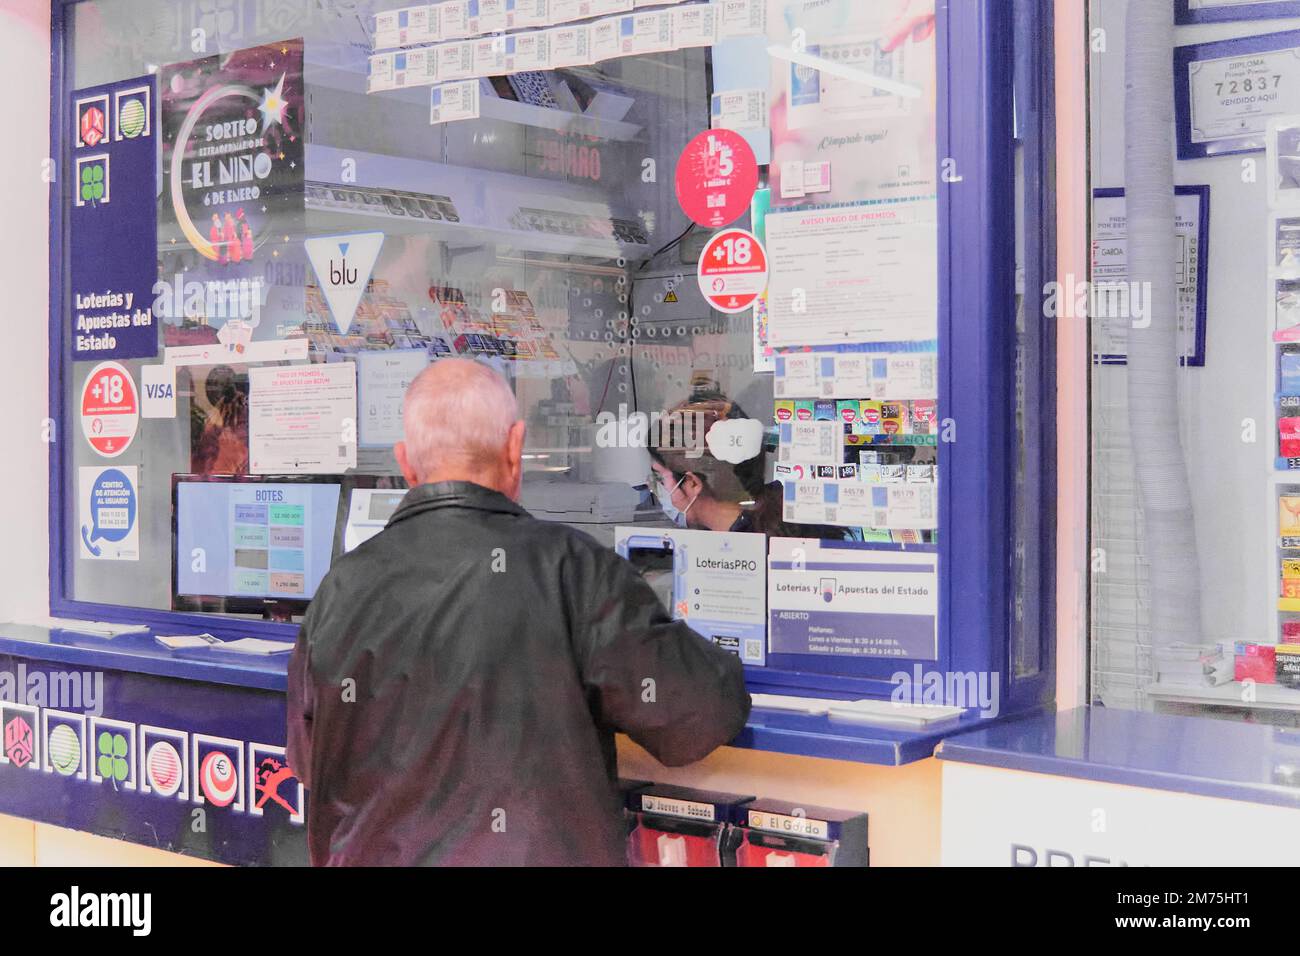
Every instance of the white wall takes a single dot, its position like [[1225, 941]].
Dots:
[[24, 308], [1229, 479]]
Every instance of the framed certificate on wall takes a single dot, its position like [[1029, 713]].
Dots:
[[1226, 92], [1219, 11], [1116, 303]]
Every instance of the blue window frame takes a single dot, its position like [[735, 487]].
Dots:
[[992, 512]]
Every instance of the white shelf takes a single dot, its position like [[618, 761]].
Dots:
[[542, 117], [1267, 696]]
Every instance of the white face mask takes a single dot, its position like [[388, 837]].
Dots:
[[670, 510]]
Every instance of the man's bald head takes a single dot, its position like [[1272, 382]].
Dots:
[[461, 423]]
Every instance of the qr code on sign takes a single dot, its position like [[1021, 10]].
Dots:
[[927, 374], [753, 649], [925, 506], [831, 515]]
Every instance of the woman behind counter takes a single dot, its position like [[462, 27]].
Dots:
[[697, 490]]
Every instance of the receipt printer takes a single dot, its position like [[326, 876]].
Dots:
[[681, 826], [781, 833]]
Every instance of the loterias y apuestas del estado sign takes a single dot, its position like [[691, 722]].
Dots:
[[113, 220]]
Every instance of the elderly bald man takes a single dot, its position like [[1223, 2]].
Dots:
[[459, 678]]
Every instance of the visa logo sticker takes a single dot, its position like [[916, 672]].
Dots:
[[158, 391]]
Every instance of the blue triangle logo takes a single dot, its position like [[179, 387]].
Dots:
[[343, 247]]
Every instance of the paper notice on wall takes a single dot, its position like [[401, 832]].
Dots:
[[382, 379], [302, 419], [1116, 304], [851, 602], [853, 274]]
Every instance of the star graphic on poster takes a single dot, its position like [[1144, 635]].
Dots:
[[273, 105]]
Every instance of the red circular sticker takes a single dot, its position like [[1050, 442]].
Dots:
[[733, 270], [717, 176], [110, 409]]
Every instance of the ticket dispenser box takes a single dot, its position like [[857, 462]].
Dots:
[[627, 789], [781, 833], [681, 826]]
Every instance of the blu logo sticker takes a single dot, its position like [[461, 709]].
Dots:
[[343, 265], [109, 511]]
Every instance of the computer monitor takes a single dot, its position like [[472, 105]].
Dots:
[[252, 544]]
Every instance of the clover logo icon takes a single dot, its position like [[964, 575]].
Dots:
[[112, 757], [92, 182]]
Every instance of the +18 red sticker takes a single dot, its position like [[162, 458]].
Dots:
[[733, 270], [110, 409]]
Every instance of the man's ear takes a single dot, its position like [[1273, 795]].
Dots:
[[404, 464], [515, 456]]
